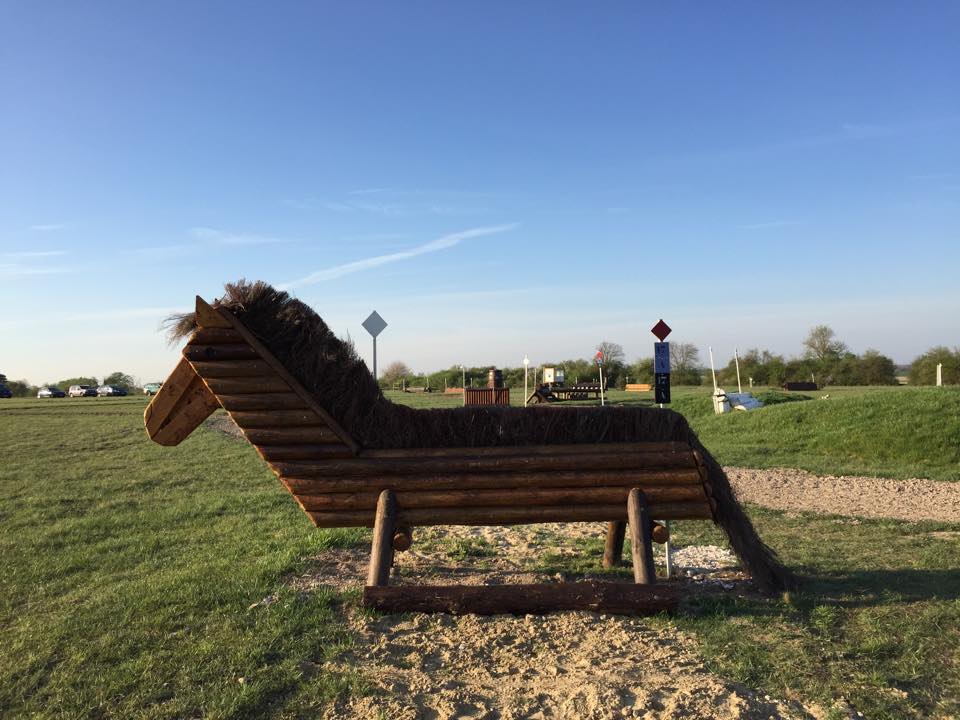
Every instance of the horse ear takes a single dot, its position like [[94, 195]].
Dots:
[[210, 317]]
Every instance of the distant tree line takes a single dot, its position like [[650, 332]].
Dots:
[[826, 360], [22, 388]]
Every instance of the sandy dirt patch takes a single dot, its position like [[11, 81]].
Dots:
[[566, 665], [569, 665], [869, 497]]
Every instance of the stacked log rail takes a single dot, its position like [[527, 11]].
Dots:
[[338, 486], [274, 413], [501, 485]]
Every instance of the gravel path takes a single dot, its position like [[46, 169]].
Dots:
[[869, 497]]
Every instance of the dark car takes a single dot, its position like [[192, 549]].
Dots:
[[5, 392], [111, 391], [50, 392]]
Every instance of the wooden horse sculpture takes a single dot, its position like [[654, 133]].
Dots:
[[341, 481]]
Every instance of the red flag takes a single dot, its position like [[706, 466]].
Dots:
[[599, 357]]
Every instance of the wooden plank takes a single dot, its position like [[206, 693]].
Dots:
[[613, 547], [215, 336], [267, 401], [640, 448], [247, 386], [641, 545], [478, 481], [521, 515], [501, 497], [506, 515], [208, 317], [364, 465], [182, 403], [208, 353], [291, 381], [274, 453], [232, 368], [381, 550], [177, 382], [276, 418], [193, 407], [600, 597], [317, 434]]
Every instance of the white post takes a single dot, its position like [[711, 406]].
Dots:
[[736, 357], [939, 374], [669, 550], [714, 372], [601, 385], [526, 367]]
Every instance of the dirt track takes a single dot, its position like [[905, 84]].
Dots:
[[798, 490], [575, 665]]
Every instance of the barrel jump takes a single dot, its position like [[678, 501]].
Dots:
[[351, 458]]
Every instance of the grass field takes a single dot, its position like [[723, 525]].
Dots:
[[129, 569], [898, 432]]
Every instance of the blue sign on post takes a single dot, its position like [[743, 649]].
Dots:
[[661, 388], [661, 363], [661, 357]]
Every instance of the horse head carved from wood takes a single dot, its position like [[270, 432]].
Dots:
[[183, 402]]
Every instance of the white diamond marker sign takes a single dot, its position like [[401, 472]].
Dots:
[[374, 324]]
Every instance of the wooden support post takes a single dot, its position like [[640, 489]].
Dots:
[[613, 551], [381, 553], [402, 538], [638, 515], [659, 532], [601, 597]]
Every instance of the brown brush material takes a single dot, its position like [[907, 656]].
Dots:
[[341, 383]]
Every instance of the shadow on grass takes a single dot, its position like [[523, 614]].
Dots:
[[858, 589]]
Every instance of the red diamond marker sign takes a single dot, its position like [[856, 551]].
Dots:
[[661, 330]]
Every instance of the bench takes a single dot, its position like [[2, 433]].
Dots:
[[339, 482]]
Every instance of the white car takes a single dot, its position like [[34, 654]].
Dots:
[[82, 391]]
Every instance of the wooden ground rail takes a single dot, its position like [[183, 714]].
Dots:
[[639, 387], [338, 483]]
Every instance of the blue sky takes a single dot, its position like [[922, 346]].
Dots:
[[495, 179]]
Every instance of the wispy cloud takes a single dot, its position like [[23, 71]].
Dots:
[[393, 202], [223, 237], [768, 225], [127, 314], [159, 252], [442, 243], [35, 253], [15, 270], [48, 227]]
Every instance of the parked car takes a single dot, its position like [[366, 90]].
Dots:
[[5, 392], [111, 391], [81, 391], [50, 392], [151, 388]]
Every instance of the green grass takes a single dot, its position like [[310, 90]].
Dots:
[[129, 571]]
